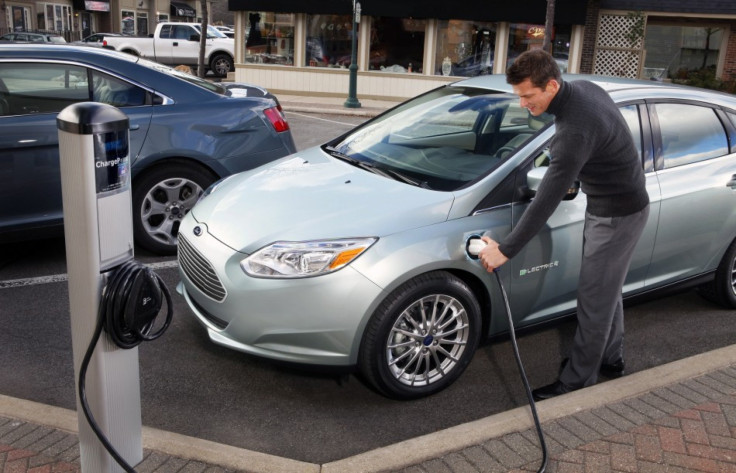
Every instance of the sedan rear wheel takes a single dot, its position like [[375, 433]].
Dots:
[[722, 289], [161, 199], [421, 337]]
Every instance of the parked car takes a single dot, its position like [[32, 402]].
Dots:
[[24, 37], [185, 133], [354, 253], [95, 39]]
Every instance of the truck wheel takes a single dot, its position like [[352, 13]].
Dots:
[[221, 64], [161, 199], [421, 337]]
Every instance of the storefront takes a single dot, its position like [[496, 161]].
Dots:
[[404, 48]]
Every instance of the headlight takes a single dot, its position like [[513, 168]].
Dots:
[[301, 259]]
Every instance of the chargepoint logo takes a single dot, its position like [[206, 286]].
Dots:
[[107, 164], [537, 269]]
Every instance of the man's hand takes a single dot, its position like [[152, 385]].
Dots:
[[490, 256]]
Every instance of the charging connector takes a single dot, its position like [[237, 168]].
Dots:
[[473, 247], [131, 302]]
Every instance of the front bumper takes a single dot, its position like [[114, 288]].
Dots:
[[316, 320]]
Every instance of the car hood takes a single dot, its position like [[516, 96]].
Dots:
[[310, 196]]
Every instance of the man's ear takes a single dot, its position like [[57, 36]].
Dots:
[[552, 86]]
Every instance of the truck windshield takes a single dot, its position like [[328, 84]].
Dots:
[[212, 32]]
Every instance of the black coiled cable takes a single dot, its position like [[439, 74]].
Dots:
[[120, 315]]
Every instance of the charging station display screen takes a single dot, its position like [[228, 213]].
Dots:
[[112, 165]]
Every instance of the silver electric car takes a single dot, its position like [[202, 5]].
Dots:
[[354, 253]]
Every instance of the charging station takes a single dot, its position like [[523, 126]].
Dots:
[[98, 227]]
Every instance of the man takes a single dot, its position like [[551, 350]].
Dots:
[[592, 144]]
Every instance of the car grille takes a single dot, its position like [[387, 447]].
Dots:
[[200, 271]]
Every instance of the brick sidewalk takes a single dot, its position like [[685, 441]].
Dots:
[[689, 426]]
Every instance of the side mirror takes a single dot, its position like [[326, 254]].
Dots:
[[534, 178], [194, 37]]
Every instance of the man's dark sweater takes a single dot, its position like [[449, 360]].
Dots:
[[592, 143]]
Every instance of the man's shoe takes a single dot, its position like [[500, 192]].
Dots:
[[614, 370], [551, 390]]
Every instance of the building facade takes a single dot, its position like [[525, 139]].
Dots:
[[405, 48], [75, 19]]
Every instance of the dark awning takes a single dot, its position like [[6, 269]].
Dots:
[[182, 9], [570, 12]]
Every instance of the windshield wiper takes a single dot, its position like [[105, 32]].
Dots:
[[355, 162], [381, 171]]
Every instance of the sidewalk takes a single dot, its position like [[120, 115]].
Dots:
[[678, 417]]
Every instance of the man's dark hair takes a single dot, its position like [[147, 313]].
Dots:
[[536, 65]]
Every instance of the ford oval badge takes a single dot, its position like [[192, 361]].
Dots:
[[197, 230]]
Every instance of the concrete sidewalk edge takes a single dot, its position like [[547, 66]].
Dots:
[[405, 453]]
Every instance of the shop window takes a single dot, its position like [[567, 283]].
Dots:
[[162, 17], [329, 40], [397, 44], [127, 25], [465, 48], [525, 37], [270, 38], [55, 17], [674, 51]]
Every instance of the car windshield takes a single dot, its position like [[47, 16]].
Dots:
[[442, 140]]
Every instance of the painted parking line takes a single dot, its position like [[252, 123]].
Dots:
[[350, 125], [11, 283]]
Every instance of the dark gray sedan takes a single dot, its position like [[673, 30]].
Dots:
[[185, 133]]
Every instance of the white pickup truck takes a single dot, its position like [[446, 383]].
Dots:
[[177, 44]]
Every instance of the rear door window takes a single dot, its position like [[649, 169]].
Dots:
[[689, 134]]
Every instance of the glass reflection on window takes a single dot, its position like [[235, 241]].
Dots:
[[270, 38], [397, 44], [690, 134], [525, 37], [465, 48], [329, 40]]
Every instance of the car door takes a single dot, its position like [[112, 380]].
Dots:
[[544, 275], [696, 172], [32, 96]]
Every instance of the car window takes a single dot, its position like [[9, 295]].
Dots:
[[165, 32], [113, 91], [690, 133], [27, 88]]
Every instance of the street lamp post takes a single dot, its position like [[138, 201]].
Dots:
[[352, 101]]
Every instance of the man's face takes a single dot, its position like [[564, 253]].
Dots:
[[536, 99]]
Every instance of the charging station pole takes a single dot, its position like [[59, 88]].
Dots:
[[98, 227]]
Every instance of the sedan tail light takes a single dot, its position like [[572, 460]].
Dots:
[[276, 116]]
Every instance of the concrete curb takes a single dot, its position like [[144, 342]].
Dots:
[[406, 453]]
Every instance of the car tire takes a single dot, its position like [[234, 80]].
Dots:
[[422, 337], [161, 199], [722, 290], [221, 65]]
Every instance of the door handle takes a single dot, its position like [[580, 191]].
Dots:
[[176, 43], [135, 127], [732, 182]]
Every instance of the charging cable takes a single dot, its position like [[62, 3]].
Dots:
[[131, 302], [474, 247]]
